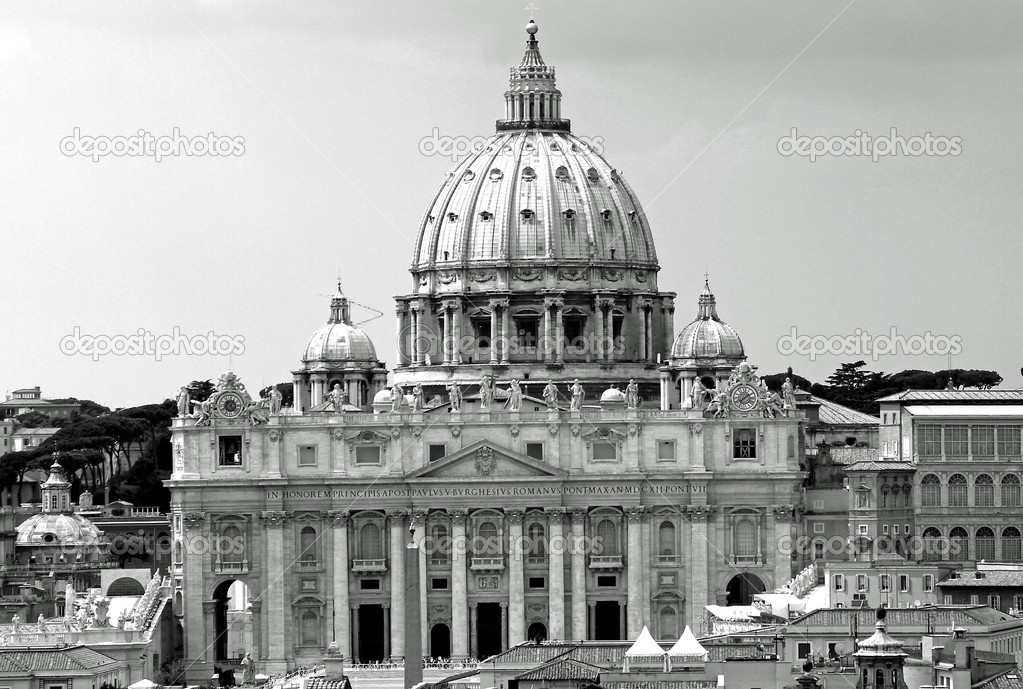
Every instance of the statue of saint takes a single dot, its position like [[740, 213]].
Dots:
[[486, 392], [788, 394], [700, 394], [397, 396], [632, 395], [454, 396], [514, 396], [275, 398], [550, 395], [202, 416], [248, 670], [578, 395], [337, 398], [418, 398], [183, 402]]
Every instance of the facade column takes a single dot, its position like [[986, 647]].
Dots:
[[387, 631], [355, 633], [448, 342], [578, 573], [417, 354], [591, 606], [209, 623], [599, 312], [548, 342], [277, 613], [636, 572], [195, 640], [504, 626], [496, 336], [456, 333], [342, 635], [473, 633], [641, 351], [699, 517], [556, 572], [609, 323], [398, 586], [665, 396], [516, 580], [668, 308], [402, 355], [256, 608], [459, 591], [559, 331], [782, 516], [645, 544], [506, 329]]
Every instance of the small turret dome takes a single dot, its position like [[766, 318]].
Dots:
[[707, 337], [338, 340]]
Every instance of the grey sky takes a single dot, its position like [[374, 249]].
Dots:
[[333, 98]]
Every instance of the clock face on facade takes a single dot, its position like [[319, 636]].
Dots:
[[744, 397], [230, 404]]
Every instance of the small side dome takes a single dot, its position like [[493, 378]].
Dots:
[[61, 529], [612, 395], [338, 340], [382, 397], [707, 337]]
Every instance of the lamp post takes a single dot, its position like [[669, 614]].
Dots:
[[413, 642]]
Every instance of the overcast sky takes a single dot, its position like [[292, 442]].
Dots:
[[333, 99]]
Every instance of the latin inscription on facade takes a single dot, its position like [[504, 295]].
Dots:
[[481, 491]]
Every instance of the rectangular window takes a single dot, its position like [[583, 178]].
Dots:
[[437, 451], [928, 441], [1008, 441], [957, 441], [904, 583], [535, 450], [982, 441], [928, 583], [886, 583], [803, 649], [863, 530], [1017, 602], [605, 452], [861, 582], [974, 599], [307, 455], [439, 583], [994, 602], [537, 582], [607, 581], [818, 550], [230, 450], [895, 529], [369, 584], [367, 454], [839, 580], [884, 529], [665, 450], [907, 531], [745, 444], [818, 527]]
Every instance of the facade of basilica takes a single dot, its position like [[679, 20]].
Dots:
[[569, 465]]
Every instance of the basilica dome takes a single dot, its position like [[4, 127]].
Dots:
[[707, 337], [338, 341], [60, 529]]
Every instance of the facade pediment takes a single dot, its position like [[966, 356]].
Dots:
[[487, 460]]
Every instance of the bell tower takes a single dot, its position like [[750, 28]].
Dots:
[[880, 659]]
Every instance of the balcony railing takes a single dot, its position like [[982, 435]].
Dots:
[[668, 560], [240, 567], [487, 564], [747, 560], [376, 565], [605, 562], [308, 564]]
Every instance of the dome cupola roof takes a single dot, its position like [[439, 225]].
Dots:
[[707, 337], [338, 340]]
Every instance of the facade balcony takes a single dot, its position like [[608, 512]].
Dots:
[[747, 560], [606, 562], [370, 566], [536, 559], [487, 564], [667, 560], [308, 564], [239, 567]]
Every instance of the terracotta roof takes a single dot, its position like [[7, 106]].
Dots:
[[881, 465], [62, 660], [940, 615], [835, 414], [851, 455], [955, 396], [529, 653], [324, 683], [987, 578], [562, 669], [1011, 679]]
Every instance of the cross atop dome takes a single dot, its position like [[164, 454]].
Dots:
[[532, 101]]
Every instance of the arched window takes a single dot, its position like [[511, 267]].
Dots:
[[310, 629], [932, 544], [537, 546], [745, 539], [666, 538], [1012, 545], [1010, 490], [488, 544], [958, 488], [440, 545], [607, 532], [370, 546], [930, 491], [307, 545], [958, 544], [984, 491], [985, 544], [231, 546], [669, 624]]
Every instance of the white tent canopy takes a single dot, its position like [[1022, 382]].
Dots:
[[645, 646], [143, 684], [688, 646]]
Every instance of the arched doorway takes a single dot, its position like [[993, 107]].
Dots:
[[440, 641], [537, 632], [230, 616], [741, 588]]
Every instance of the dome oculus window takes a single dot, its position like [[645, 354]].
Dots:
[[496, 175], [528, 174]]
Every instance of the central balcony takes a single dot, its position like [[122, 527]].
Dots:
[[487, 564], [605, 562], [369, 566]]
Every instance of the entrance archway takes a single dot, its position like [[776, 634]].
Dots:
[[607, 622], [741, 588], [488, 626], [440, 641], [371, 633], [231, 608], [537, 632]]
